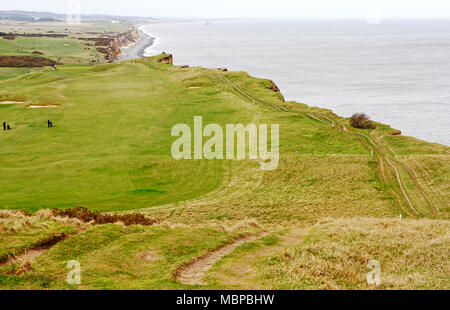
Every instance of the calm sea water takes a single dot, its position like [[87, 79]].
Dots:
[[397, 71]]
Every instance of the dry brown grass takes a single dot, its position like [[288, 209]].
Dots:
[[20, 221], [19, 267], [413, 255], [17, 221]]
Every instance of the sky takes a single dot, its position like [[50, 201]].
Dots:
[[244, 8]]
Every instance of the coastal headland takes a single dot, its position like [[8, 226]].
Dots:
[[101, 188]]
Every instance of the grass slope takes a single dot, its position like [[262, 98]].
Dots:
[[110, 151], [335, 254]]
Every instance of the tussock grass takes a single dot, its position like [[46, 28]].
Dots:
[[17, 221], [20, 232], [334, 255]]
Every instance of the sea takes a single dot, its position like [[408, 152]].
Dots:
[[397, 70]]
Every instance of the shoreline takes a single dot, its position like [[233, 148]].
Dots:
[[138, 49], [380, 87], [147, 40]]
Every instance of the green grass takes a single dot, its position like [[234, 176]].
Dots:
[[110, 150], [19, 233], [14, 244], [117, 257], [65, 49], [116, 152], [9, 73]]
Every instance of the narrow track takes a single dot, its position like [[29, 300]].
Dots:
[[416, 183], [195, 272], [399, 181], [391, 162], [36, 251], [372, 146], [243, 92]]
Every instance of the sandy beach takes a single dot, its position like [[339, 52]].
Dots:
[[138, 49]]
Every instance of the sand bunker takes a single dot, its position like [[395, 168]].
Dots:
[[194, 87], [43, 106], [10, 102]]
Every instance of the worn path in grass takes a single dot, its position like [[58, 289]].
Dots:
[[392, 162], [195, 272], [376, 148], [38, 250], [239, 270]]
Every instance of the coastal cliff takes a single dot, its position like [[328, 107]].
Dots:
[[111, 47], [166, 59], [120, 41], [275, 88]]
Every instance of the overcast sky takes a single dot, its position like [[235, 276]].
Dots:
[[244, 8]]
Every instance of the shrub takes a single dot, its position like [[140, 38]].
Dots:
[[98, 218], [361, 120]]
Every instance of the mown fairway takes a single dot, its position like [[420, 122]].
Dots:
[[110, 150], [110, 147], [104, 152]]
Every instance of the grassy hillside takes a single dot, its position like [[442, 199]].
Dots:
[[110, 150], [117, 151], [334, 254]]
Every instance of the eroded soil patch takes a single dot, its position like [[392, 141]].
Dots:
[[36, 250]]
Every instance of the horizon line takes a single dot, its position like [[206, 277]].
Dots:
[[230, 17]]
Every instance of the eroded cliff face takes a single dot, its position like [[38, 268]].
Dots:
[[120, 41], [167, 60], [275, 88], [111, 46]]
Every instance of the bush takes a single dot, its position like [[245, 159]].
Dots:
[[361, 120], [98, 218]]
